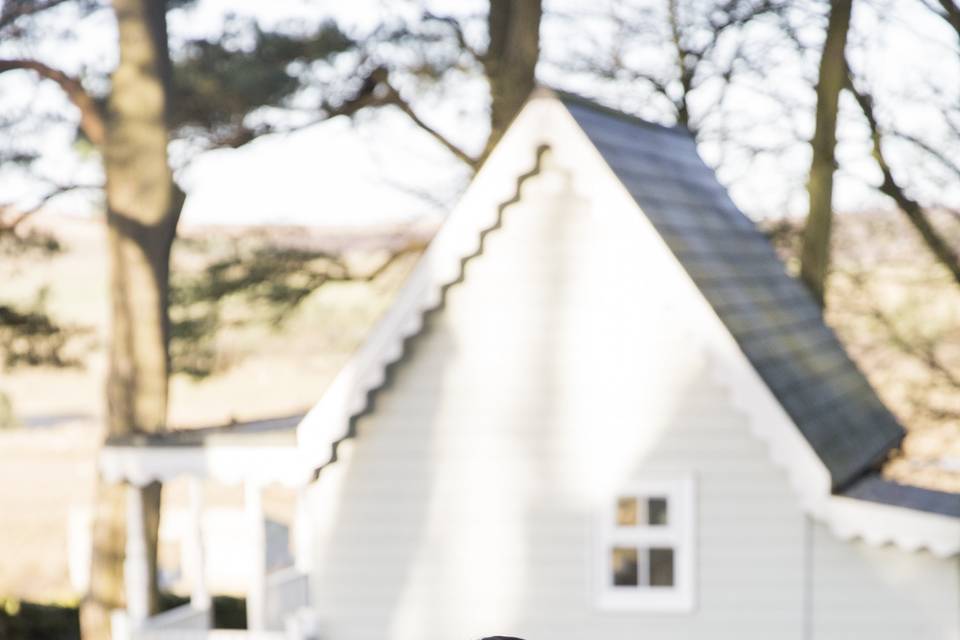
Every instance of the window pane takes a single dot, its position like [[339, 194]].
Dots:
[[661, 567], [625, 567], [627, 512], [657, 511]]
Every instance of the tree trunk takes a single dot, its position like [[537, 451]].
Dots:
[[685, 72], [815, 253], [510, 61], [143, 207]]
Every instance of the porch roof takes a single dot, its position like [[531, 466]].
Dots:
[[260, 452], [270, 431]]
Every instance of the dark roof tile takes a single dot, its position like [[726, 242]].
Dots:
[[875, 488], [771, 315]]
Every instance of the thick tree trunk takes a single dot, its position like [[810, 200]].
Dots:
[[510, 61], [143, 206], [815, 253]]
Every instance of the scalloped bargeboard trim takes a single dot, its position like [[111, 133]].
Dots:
[[353, 392]]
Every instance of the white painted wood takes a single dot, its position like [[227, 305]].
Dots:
[[328, 421], [236, 634], [184, 621], [287, 592], [910, 530], [194, 554], [136, 576], [220, 634], [228, 464], [257, 557], [302, 531], [678, 534], [226, 545], [119, 625], [79, 546], [862, 591], [563, 368]]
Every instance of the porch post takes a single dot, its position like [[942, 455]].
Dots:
[[194, 554], [302, 529], [136, 573], [257, 579]]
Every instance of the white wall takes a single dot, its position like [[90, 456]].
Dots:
[[566, 363], [882, 592]]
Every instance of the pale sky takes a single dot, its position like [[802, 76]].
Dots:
[[368, 171]]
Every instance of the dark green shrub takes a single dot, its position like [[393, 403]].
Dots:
[[28, 621]]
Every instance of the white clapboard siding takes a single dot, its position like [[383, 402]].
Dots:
[[868, 592], [564, 366]]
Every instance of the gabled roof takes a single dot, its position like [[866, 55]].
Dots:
[[772, 316], [806, 399]]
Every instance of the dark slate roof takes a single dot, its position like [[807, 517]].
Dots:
[[771, 315], [875, 488]]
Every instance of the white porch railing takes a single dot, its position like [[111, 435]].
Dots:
[[277, 603], [287, 592], [185, 617], [185, 622], [181, 623], [222, 634], [287, 616], [243, 634]]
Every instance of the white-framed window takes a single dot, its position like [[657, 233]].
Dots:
[[645, 548]]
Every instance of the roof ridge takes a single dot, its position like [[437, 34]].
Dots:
[[590, 103]]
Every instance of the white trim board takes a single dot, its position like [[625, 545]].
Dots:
[[680, 534], [257, 465]]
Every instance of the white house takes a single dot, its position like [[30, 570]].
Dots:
[[598, 409]]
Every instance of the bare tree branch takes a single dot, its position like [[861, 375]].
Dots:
[[950, 13], [13, 11], [347, 275], [891, 188], [377, 91], [926, 352], [937, 155], [23, 214], [395, 98], [92, 121], [457, 29]]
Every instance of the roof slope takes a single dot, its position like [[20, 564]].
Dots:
[[771, 315], [874, 488]]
